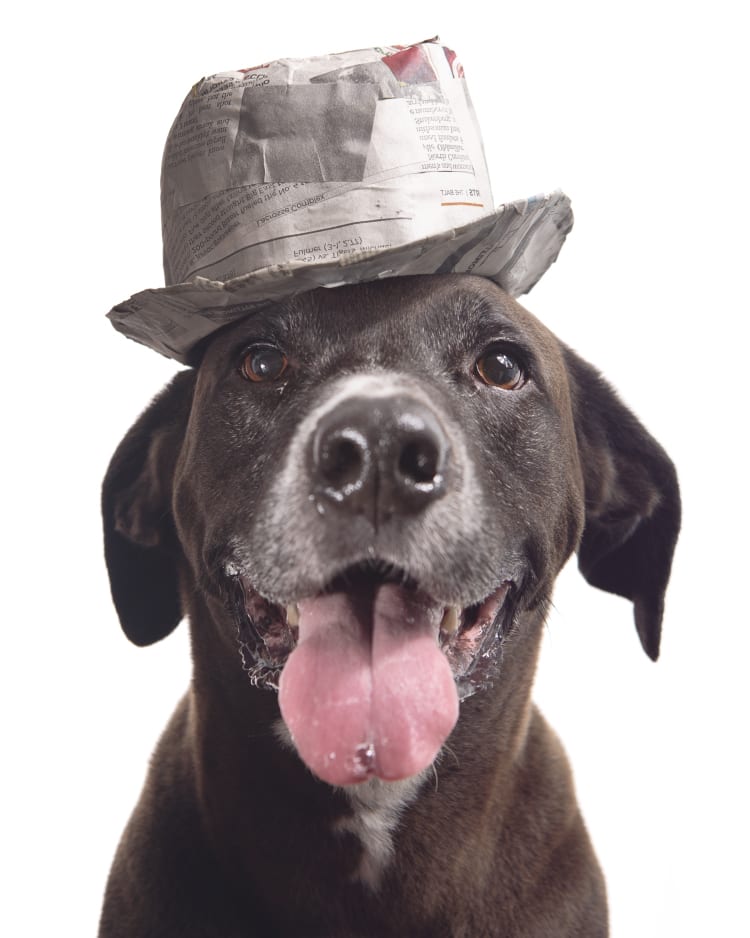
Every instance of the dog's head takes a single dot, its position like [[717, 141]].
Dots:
[[381, 482]]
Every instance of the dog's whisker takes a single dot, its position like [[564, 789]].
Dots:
[[452, 752]]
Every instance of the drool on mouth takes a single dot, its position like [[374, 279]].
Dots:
[[269, 632]]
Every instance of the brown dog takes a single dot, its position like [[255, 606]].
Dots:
[[363, 496]]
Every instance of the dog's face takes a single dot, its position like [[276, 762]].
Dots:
[[381, 481]]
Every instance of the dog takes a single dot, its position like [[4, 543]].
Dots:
[[360, 499]]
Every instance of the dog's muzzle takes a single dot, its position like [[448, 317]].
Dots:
[[369, 666]]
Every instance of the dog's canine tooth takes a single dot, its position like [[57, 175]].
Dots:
[[449, 625], [292, 614]]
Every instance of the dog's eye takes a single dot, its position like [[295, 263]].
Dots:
[[498, 369], [264, 363]]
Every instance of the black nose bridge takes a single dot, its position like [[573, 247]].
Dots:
[[379, 456]]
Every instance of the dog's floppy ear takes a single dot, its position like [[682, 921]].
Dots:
[[139, 538], [632, 502]]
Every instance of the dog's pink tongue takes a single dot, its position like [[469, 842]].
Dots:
[[367, 691]]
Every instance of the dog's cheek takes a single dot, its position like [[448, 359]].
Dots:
[[188, 511], [527, 463], [232, 447], [201, 498]]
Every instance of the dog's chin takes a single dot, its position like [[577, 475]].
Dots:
[[371, 669]]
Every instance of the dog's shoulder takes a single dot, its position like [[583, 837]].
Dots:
[[163, 864]]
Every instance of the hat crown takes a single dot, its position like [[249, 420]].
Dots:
[[378, 146]]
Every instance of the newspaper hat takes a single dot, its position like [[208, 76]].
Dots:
[[304, 173]]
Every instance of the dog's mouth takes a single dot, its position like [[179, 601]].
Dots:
[[370, 670]]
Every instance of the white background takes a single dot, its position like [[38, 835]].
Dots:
[[639, 112]]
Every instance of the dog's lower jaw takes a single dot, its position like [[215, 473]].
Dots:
[[371, 686]]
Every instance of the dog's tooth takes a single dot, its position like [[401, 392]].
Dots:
[[449, 625], [292, 614]]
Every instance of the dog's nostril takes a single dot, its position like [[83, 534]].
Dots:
[[342, 460], [419, 461]]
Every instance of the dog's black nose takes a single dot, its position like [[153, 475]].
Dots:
[[379, 457]]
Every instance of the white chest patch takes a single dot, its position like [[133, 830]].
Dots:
[[376, 809]]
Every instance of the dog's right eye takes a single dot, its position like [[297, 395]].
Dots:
[[264, 363], [498, 369]]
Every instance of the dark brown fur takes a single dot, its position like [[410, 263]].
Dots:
[[233, 836]]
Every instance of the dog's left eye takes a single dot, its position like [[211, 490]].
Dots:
[[498, 369], [264, 363]]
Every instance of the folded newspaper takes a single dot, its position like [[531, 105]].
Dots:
[[304, 173]]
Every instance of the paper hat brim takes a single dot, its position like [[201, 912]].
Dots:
[[512, 246]]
